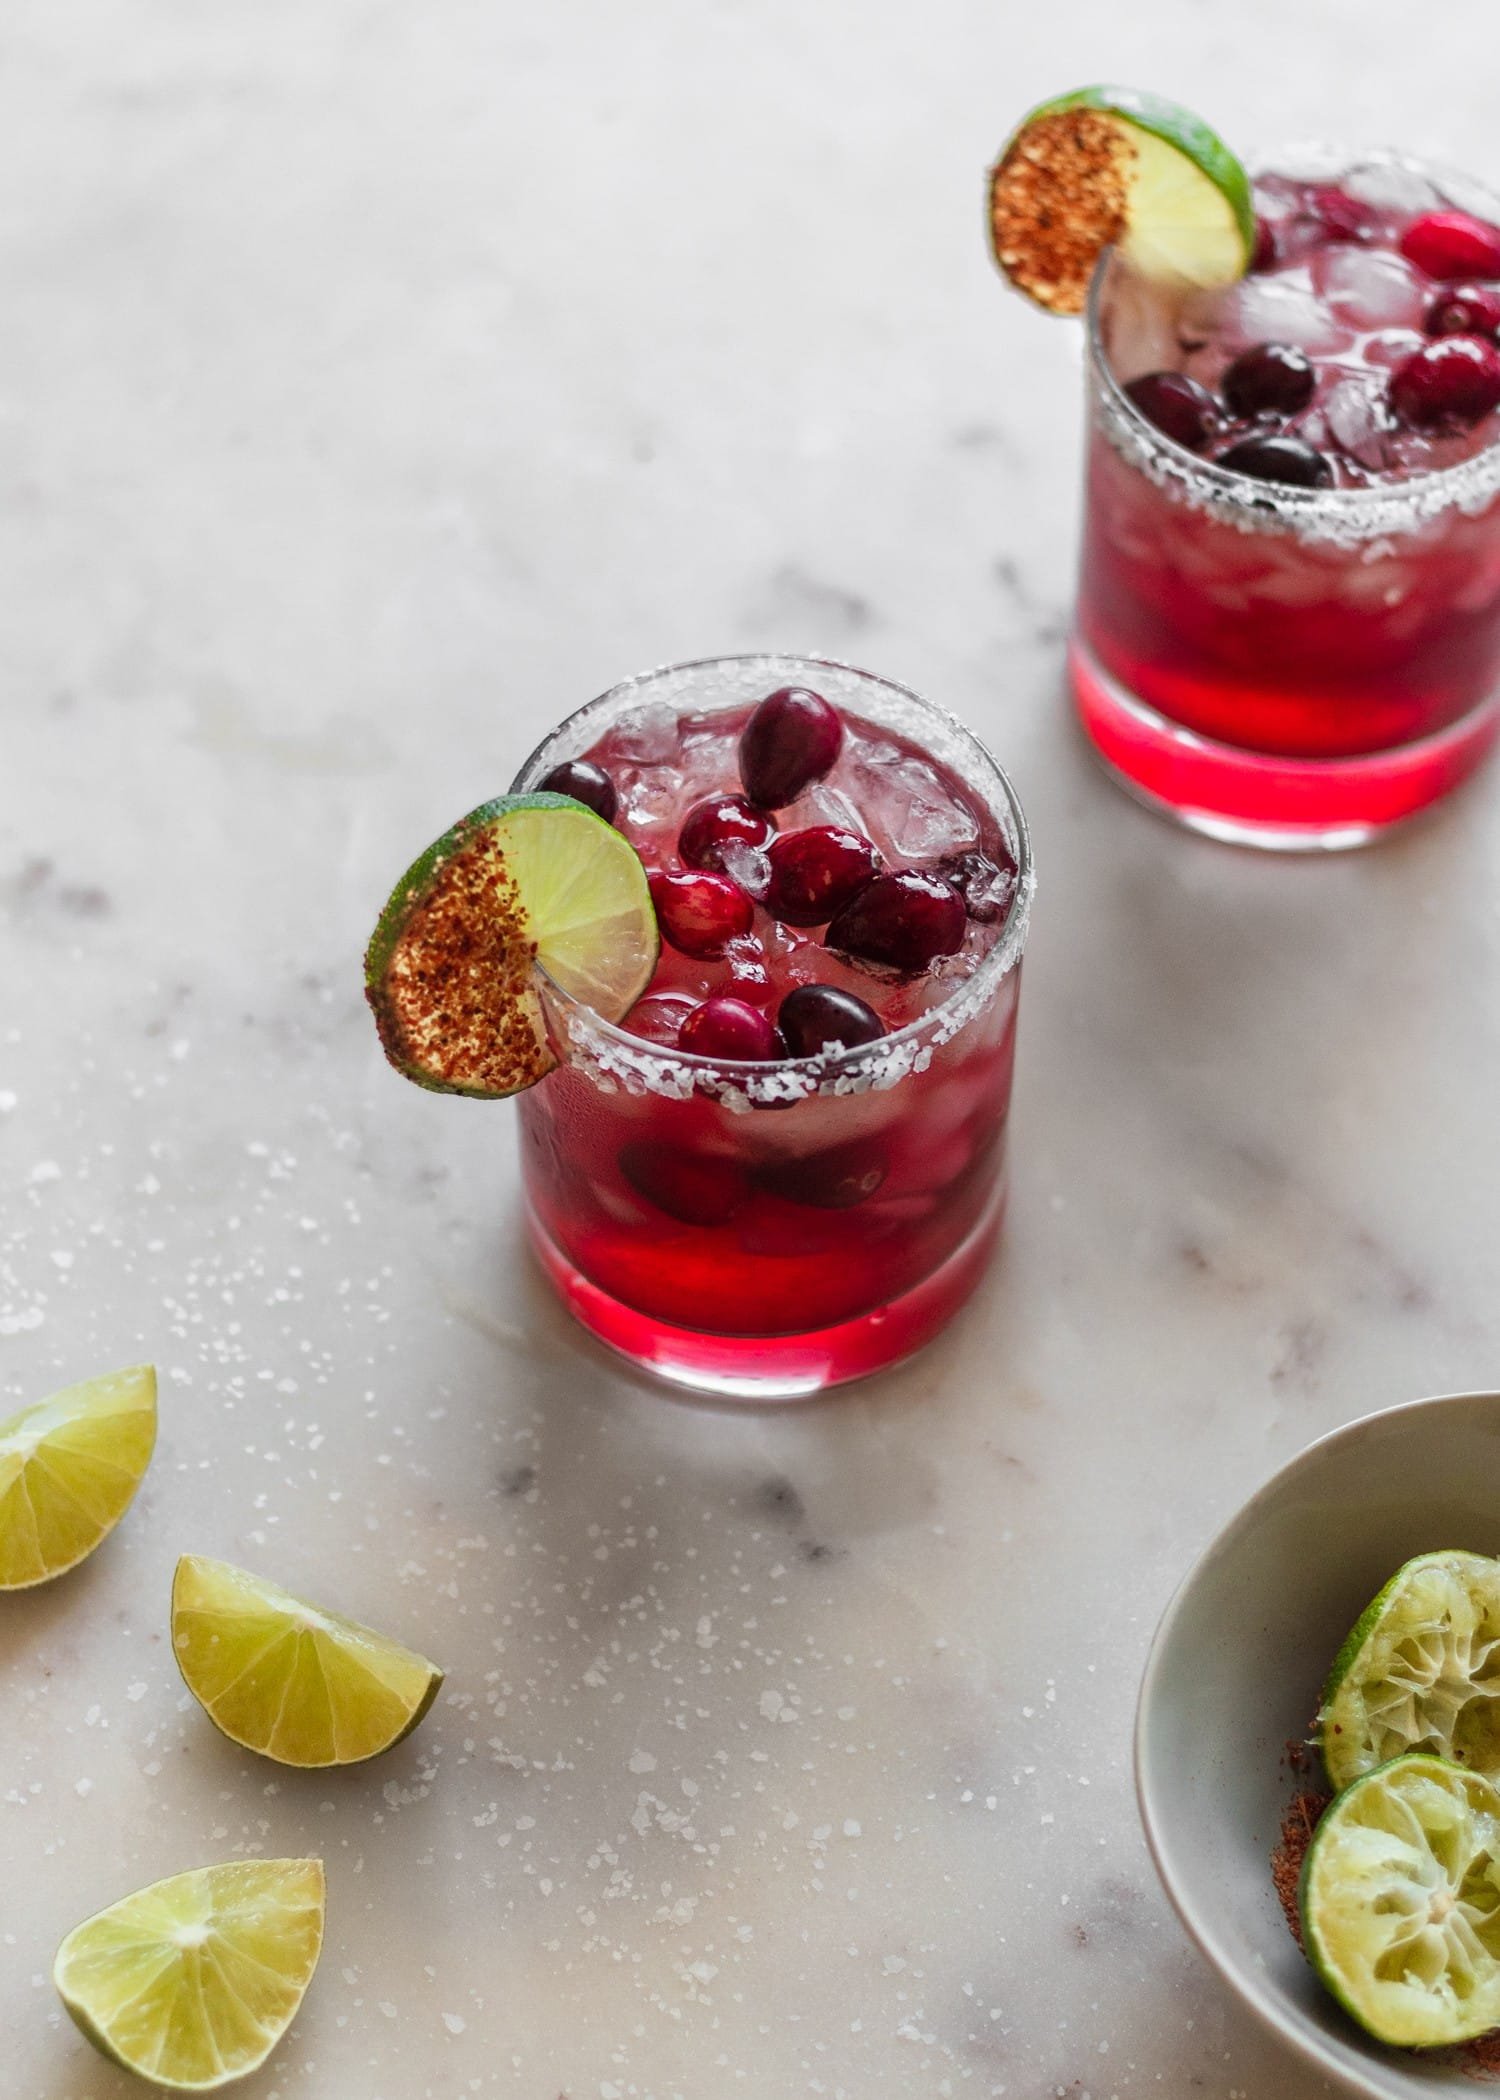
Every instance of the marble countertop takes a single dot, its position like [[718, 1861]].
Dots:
[[376, 384]]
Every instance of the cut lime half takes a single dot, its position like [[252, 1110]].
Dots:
[[1108, 167], [288, 1679], [1401, 1902], [69, 1469], [193, 1981], [1420, 1671], [450, 970]]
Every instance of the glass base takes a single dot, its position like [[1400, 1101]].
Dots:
[[1257, 798], [769, 1368]]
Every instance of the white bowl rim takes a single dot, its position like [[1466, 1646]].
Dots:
[[1258, 1998]]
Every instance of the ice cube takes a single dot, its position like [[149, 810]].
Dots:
[[822, 804], [1370, 287], [1358, 418], [648, 734], [648, 801], [1280, 309], [1389, 187], [1386, 348], [747, 865], [918, 816]]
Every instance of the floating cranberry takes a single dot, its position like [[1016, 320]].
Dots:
[[1339, 216], [815, 872], [833, 1180], [586, 783], [717, 822], [749, 970], [1455, 380], [1269, 379], [906, 920], [1450, 244], [791, 740], [1465, 309], [700, 913], [985, 885], [1180, 408], [694, 1187], [1263, 254], [729, 1028], [1281, 459], [819, 1017]]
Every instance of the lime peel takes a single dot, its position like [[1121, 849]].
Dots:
[[451, 969], [1400, 1902], [1111, 167], [192, 1982], [1420, 1671]]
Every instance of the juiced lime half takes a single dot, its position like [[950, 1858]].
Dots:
[[193, 1981], [1420, 1671], [1401, 1902], [69, 1469], [288, 1679], [450, 970], [1108, 167]]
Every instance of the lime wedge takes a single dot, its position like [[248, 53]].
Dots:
[[282, 1677], [449, 970], [1107, 167], [1401, 1902], [69, 1469], [193, 1981], [1420, 1671]]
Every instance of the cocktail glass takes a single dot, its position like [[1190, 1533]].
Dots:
[[762, 1231], [1280, 666]]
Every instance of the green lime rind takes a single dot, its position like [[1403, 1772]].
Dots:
[[1400, 1902], [450, 969], [1420, 1671], [1187, 215]]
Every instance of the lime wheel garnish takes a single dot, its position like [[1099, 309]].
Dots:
[[192, 1982], [451, 970], [1106, 167], [1400, 1901]]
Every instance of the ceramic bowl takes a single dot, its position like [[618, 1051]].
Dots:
[[1234, 1675]]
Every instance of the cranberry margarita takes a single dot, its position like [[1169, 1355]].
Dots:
[[783, 1167], [1288, 627]]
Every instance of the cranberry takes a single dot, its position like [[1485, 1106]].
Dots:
[[1465, 309], [1263, 255], [1269, 378], [833, 1180], [700, 913], [720, 821], [749, 970], [1339, 216], [815, 872], [692, 1186], [819, 1017], [1279, 459], [586, 783], [1180, 408], [791, 740], [1455, 380], [729, 1028], [1451, 244], [985, 885], [907, 920]]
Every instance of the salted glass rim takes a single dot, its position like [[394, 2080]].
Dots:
[[1421, 494], [969, 996]]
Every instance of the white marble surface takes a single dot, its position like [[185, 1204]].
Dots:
[[376, 383]]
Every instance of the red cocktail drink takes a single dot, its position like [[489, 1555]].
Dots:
[[1288, 627], [784, 1168]]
